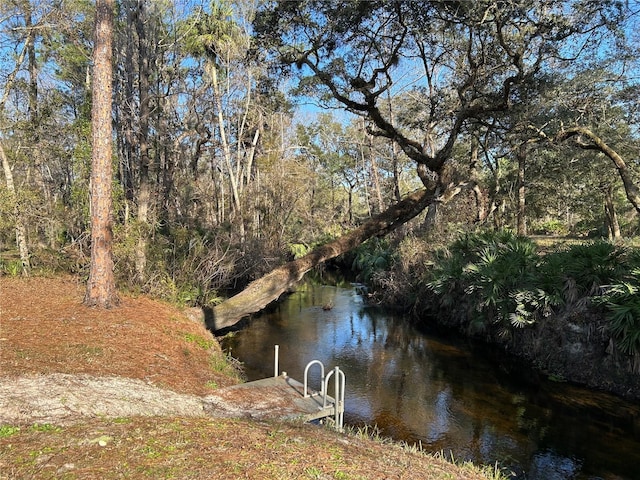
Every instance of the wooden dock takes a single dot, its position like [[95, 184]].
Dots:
[[282, 397], [279, 397]]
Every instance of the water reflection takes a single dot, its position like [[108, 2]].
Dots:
[[447, 396]]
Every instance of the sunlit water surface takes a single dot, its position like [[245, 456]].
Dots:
[[448, 396]]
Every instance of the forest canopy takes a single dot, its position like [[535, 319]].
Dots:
[[248, 133]]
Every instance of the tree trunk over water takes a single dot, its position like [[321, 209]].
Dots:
[[265, 290]]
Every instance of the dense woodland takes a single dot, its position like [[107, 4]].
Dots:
[[248, 134]]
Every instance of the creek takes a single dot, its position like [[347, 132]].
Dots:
[[448, 395]]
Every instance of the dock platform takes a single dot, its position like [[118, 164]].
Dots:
[[282, 397]]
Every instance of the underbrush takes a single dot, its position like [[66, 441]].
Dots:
[[496, 283], [190, 267]]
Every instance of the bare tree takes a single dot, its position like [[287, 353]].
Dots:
[[11, 79]]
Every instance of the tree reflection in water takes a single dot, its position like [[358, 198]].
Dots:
[[448, 395]]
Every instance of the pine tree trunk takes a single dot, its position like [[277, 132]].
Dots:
[[101, 290]]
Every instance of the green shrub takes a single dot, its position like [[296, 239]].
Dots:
[[489, 277], [186, 266], [13, 268], [622, 305], [587, 267], [550, 227], [370, 258], [499, 279], [299, 250]]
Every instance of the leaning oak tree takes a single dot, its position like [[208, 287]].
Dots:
[[586, 139], [101, 290], [594, 115], [467, 63]]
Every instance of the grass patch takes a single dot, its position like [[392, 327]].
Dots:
[[227, 365], [89, 350], [212, 384], [8, 430], [174, 447], [45, 427], [121, 420], [202, 342]]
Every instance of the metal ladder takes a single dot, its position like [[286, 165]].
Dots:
[[339, 382]]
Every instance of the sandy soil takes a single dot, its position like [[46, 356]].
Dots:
[[64, 360]]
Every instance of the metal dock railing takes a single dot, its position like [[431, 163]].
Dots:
[[283, 397]]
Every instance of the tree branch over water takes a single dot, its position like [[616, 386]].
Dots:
[[259, 293]]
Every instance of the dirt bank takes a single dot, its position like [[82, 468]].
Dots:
[[138, 392]]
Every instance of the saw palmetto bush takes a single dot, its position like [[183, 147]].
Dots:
[[621, 301], [489, 278], [498, 279], [370, 258], [623, 312], [586, 268]]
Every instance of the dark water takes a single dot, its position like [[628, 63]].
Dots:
[[448, 396]]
